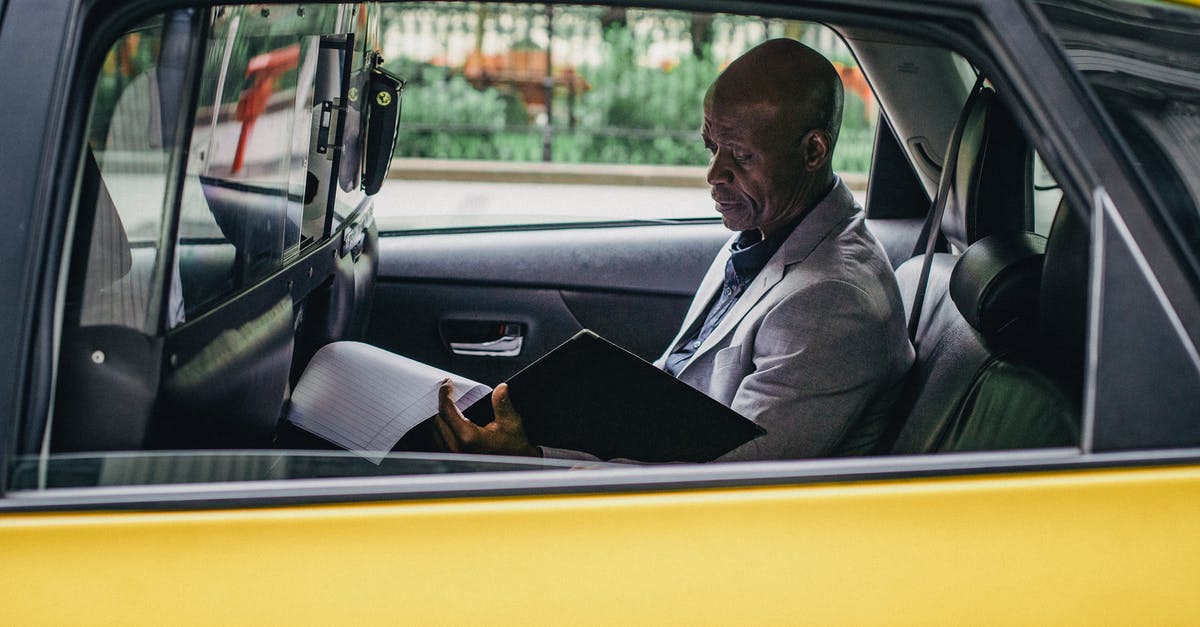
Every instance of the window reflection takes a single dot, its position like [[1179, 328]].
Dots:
[[264, 145], [125, 176]]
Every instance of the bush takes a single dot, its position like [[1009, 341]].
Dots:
[[437, 102], [630, 114]]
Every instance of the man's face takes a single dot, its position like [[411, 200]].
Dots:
[[757, 168]]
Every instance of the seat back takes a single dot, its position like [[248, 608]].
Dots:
[[991, 191], [1063, 320], [978, 379], [978, 382]]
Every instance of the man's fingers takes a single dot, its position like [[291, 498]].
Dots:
[[451, 418], [502, 436], [509, 425], [502, 406], [443, 437]]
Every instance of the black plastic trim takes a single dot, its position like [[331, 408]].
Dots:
[[516, 285], [612, 260], [176, 175], [30, 209], [238, 186], [667, 478], [298, 277]]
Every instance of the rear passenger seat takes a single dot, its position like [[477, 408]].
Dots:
[[985, 376]]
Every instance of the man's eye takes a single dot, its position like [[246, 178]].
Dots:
[[711, 148], [741, 157]]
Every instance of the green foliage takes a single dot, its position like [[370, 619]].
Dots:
[[626, 95], [445, 117], [625, 98], [629, 114], [854, 113], [853, 151]]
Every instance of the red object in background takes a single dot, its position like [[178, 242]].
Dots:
[[854, 82], [263, 70], [521, 72]]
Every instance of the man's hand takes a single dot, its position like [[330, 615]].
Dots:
[[505, 435]]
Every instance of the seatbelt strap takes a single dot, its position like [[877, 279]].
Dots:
[[932, 228]]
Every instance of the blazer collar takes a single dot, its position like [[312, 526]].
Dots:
[[834, 209]]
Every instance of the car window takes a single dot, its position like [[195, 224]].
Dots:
[[91, 470], [259, 186], [125, 179], [268, 84], [1047, 194], [528, 113], [260, 179], [1142, 59]]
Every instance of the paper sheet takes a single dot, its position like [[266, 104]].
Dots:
[[365, 399]]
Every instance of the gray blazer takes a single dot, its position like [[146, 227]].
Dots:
[[815, 349]]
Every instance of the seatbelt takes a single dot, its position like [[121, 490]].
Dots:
[[931, 231], [932, 227]]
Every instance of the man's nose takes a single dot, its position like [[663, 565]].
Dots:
[[718, 169]]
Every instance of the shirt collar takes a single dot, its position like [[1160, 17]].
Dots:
[[750, 252]]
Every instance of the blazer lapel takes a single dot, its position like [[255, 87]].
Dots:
[[709, 286], [834, 209]]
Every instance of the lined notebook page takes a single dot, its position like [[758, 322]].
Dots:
[[365, 399]]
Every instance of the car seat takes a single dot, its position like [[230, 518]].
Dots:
[[980, 379]]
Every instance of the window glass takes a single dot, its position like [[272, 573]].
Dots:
[[527, 113], [279, 95], [262, 147], [85, 470], [1143, 61], [124, 181], [1046, 196]]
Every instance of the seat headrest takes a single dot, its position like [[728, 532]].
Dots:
[[1064, 291], [995, 285], [992, 187]]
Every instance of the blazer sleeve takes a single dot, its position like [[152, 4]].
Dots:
[[820, 356]]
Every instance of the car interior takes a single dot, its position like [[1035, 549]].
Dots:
[[190, 333]]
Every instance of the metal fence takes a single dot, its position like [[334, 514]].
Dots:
[[582, 84]]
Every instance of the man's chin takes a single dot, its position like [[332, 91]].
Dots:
[[735, 220]]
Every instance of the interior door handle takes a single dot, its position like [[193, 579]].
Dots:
[[508, 345]]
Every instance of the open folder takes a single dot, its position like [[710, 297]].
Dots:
[[586, 395]]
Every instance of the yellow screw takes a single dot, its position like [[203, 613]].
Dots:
[[383, 98]]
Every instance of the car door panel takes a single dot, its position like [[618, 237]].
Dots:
[[631, 284], [999, 549]]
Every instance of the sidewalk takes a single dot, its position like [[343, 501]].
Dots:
[[425, 193], [565, 173]]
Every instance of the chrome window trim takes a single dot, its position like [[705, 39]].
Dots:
[[608, 481], [1091, 371]]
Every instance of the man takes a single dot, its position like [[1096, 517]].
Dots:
[[798, 324]]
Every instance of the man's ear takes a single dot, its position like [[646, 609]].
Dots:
[[815, 147]]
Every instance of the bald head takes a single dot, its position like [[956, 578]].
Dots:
[[784, 78], [770, 122]]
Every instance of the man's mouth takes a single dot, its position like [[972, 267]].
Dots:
[[725, 204]]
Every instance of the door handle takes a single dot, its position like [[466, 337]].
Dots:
[[507, 345]]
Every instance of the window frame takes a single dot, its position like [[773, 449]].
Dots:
[[82, 28], [607, 481], [510, 171]]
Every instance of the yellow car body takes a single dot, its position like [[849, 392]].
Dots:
[[1081, 547]]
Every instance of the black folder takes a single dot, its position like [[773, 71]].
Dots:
[[593, 396]]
